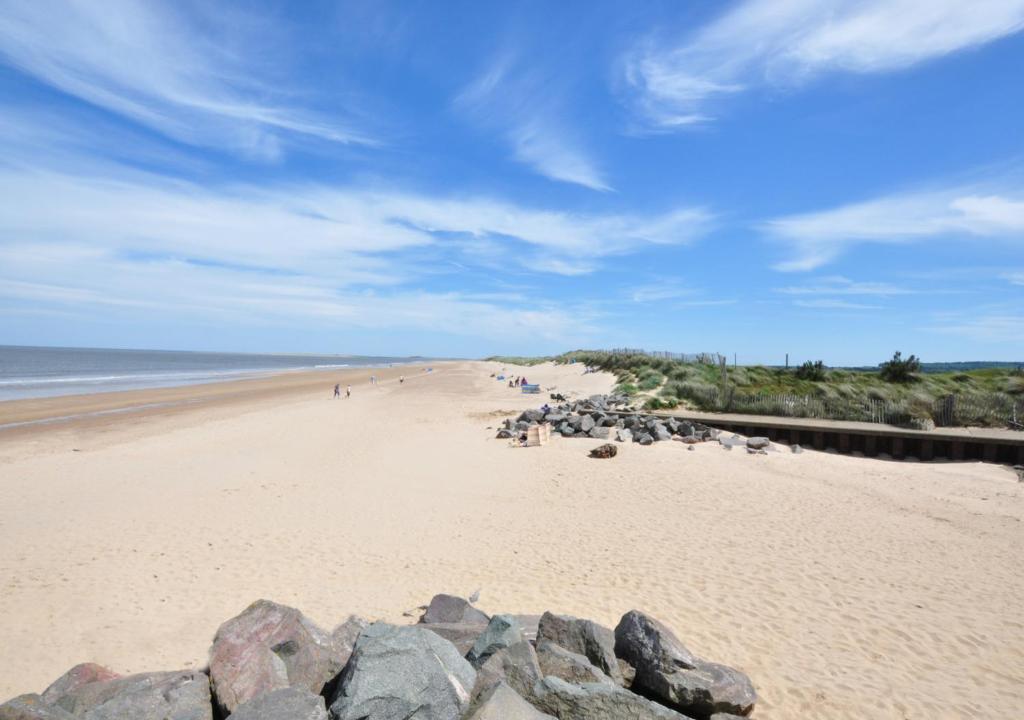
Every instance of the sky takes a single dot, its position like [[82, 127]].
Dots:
[[830, 179]]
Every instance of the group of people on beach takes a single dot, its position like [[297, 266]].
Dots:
[[518, 382], [374, 380]]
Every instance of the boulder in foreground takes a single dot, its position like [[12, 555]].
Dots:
[[270, 647], [594, 701], [453, 609], [284, 704], [403, 672], [503, 703], [584, 637], [183, 695], [668, 672]]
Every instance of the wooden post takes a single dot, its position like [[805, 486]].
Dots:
[[844, 442], [819, 440], [897, 447], [956, 450], [927, 450], [870, 448], [989, 454]]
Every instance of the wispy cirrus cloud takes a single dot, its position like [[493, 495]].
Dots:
[[832, 304], [786, 43], [1015, 278], [198, 82], [839, 285], [817, 238], [519, 104]]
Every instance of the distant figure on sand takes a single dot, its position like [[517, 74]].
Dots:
[[337, 390], [348, 391], [373, 379], [401, 379]]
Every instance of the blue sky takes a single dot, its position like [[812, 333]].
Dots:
[[827, 178]]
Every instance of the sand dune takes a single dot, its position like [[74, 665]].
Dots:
[[845, 587]]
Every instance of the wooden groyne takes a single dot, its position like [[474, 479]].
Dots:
[[872, 439]]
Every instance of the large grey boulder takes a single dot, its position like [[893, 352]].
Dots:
[[503, 703], [503, 631], [670, 673], [758, 443], [268, 647], [283, 704], [661, 433], [453, 609], [644, 439], [569, 666], [586, 424], [599, 433], [403, 672], [584, 637], [595, 701], [183, 695], [76, 677], [624, 435], [32, 707]]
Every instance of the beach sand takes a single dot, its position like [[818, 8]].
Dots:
[[845, 587]]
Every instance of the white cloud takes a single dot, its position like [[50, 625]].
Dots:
[[789, 42], [1000, 328], [1015, 278], [524, 108], [838, 285], [830, 304], [817, 238], [197, 80], [133, 242]]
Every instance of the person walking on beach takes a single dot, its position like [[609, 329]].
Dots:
[[337, 390], [348, 391], [401, 379]]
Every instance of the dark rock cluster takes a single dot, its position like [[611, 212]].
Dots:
[[273, 663], [606, 417]]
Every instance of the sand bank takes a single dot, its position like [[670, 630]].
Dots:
[[845, 587]]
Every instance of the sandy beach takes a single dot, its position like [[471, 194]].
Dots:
[[845, 587]]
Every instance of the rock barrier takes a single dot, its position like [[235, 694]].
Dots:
[[272, 663], [605, 417]]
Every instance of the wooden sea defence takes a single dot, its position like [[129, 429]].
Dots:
[[873, 440]]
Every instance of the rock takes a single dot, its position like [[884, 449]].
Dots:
[[595, 701], [75, 678], [269, 647], [689, 439], [569, 666], [661, 433], [645, 439], [32, 707], [686, 428], [531, 416], [283, 704], [691, 448], [461, 635], [604, 451], [623, 435], [609, 421], [516, 665], [672, 425], [183, 695], [403, 672], [758, 443], [585, 637], [452, 609], [555, 418], [586, 424], [668, 672], [726, 716], [501, 702], [502, 632], [503, 434], [599, 433], [795, 449]]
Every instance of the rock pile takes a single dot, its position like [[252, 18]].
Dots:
[[273, 663], [605, 417]]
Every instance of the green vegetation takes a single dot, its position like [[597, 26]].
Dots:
[[811, 371], [902, 371], [898, 392]]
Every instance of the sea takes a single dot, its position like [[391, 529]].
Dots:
[[33, 372]]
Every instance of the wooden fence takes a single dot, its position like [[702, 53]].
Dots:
[[990, 409]]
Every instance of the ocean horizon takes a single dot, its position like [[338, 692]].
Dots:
[[35, 372]]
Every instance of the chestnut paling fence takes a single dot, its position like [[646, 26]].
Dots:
[[988, 409]]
